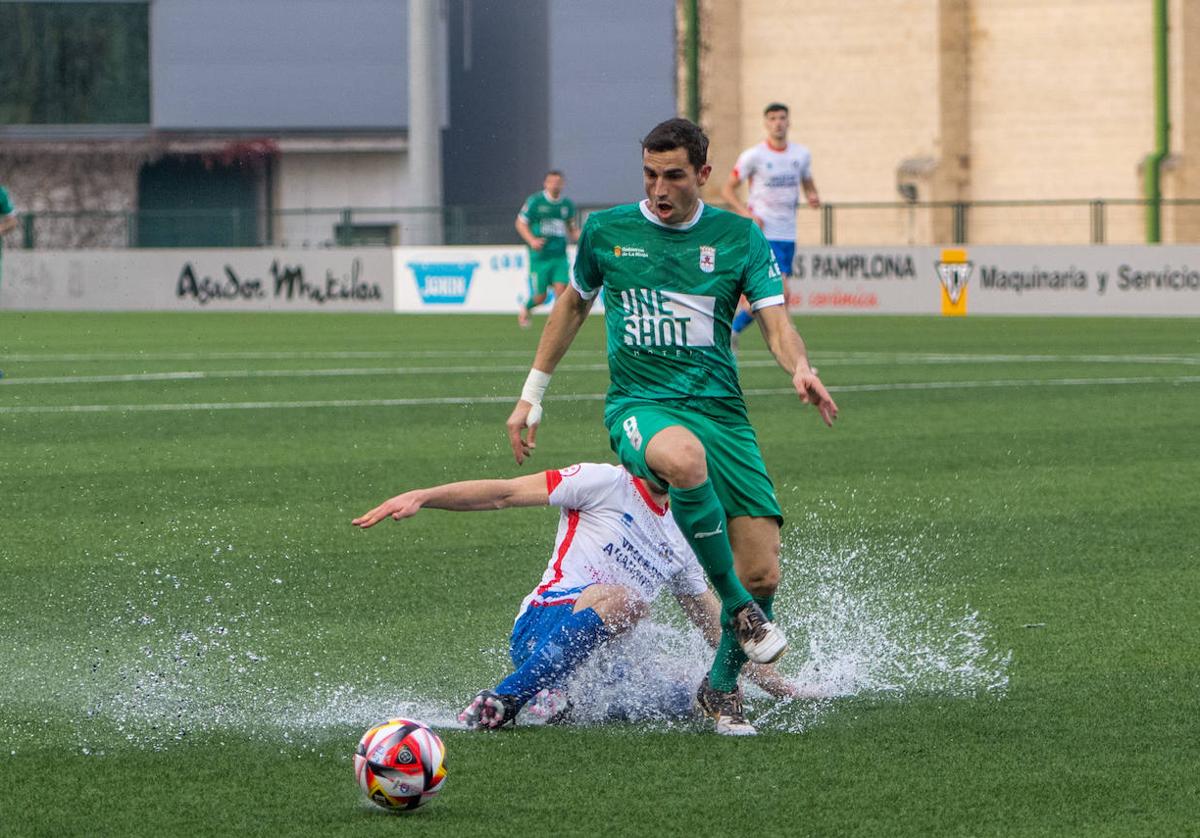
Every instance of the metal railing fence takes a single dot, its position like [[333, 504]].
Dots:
[[1094, 221]]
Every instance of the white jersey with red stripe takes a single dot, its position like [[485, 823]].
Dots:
[[776, 176], [611, 531]]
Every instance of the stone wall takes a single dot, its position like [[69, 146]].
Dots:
[[1021, 100], [80, 197]]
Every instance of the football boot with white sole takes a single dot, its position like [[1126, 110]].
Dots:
[[725, 709], [760, 639]]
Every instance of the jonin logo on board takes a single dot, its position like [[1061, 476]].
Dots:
[[444, 283]]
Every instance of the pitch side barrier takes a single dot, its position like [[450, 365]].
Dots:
[[1147, 280], [1151, 280]]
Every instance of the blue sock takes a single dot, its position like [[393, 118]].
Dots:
[[742, 320], [565, 648]]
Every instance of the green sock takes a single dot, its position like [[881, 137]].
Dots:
[[728, 662], [730, 658], [700, 516]]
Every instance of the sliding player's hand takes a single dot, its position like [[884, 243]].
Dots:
[[397, 508], [812, 391], [524, 416]]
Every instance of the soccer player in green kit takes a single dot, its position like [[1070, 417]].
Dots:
[[545, 222], [672, 270]]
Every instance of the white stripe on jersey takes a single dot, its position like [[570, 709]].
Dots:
[[611, 532]]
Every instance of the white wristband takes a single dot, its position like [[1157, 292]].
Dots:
[[535, 388]]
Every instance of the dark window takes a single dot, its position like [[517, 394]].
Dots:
[[197, 202], [74, 63]]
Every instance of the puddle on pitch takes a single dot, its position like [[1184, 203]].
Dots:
[[865, 620]]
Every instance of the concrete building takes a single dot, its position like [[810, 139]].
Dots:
[[971, 101], [246, 122]]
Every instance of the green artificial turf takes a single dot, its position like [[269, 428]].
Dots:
[[990, 578]]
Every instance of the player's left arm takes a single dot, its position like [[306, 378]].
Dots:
[[573, 225], [790, 353], [464, 496], [704, 612], [763, 287], [810, 192]]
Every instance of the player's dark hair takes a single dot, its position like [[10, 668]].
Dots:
[[775, 106], [555, 172], [679, 133]]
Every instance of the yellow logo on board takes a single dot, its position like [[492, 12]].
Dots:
[[954, 271]]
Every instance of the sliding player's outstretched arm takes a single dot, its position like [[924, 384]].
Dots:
[[568, 315], [704, 612], [466, 496]]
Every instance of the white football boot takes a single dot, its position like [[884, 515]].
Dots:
[[760, 639]]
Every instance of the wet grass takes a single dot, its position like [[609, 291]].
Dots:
[[995, 584]]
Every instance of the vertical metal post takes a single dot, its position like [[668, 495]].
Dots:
[[826, 223], [1097, 222], [692, 53], [1162, 127], [345, 234], [27, 234], [960, 223], [425, 119]]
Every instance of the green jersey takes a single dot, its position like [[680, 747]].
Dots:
[[670, 295], [549, 219], [6, 210], [6, 207]]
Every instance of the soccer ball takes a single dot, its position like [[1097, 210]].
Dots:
[[400, 764]]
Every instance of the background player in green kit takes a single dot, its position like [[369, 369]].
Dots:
[[672, 270], [545, 222], [8, 221]]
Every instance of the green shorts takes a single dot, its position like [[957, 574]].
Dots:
[[735, 465], [547, 271]]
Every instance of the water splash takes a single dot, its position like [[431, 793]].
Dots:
[[865, 618], [199, 653]]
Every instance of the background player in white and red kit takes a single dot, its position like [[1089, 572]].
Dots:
[[617, 549], [778, 171]]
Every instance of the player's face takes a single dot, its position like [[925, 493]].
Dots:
[[553, 185], [672, 185], [776, 123]]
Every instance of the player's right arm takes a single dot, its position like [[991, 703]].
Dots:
[[568, 315], [730, 196], [743, 169], [526, 233], [465, 496]]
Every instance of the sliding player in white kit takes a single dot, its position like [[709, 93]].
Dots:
[[778, 171], [617, 549]]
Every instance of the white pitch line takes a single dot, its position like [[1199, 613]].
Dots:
[[200, 375], [828, 357], [581, 397], [34, 357]]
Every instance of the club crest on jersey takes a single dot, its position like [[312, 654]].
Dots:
[[708, 259]]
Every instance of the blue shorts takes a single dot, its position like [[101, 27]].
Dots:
[[539, 621], [785, 254]]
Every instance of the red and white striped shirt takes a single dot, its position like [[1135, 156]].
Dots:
[[611, 531]]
